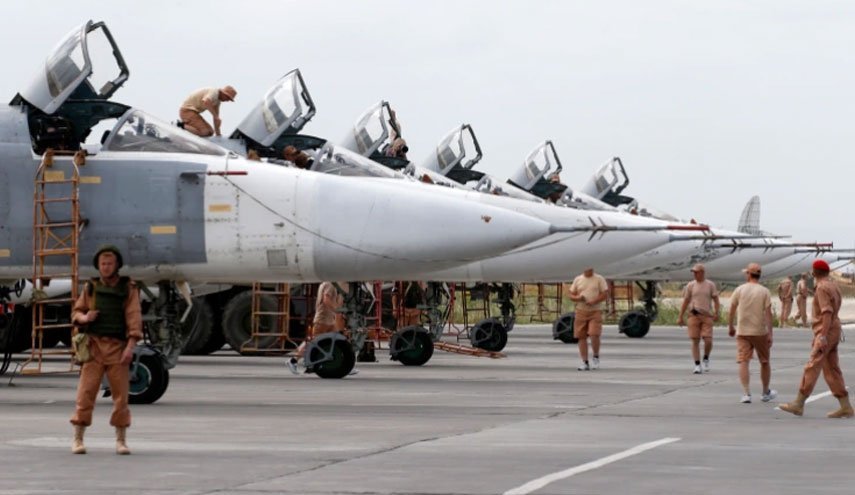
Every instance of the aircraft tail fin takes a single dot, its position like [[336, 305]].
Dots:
[[749, 221]]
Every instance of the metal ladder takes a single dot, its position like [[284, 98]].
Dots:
[[270, 323], [542, 302], [56, 232]]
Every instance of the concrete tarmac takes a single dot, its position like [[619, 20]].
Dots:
[[529, 423]]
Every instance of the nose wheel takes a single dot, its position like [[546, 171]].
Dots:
[[149, 377], [330, 355], [489, 334], [411, 346], [634, 324], [562, 328]]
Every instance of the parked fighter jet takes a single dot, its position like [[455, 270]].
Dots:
[[184, 209]]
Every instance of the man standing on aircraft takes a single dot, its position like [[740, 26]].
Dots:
[[802, 292], [588, 291], [823, 354], [699, 296], [108, 312], [327, 302], [751, 305], [785, 294], [200, 101]]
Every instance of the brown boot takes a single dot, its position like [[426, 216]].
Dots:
[[796, 407], [845, 410], [121, 446], [77, 446]]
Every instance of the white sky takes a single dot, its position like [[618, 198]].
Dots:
[[707, 103]]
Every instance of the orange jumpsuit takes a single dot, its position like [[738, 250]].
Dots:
[[785, 294], [801, 301], [106, 358], [826, 299]]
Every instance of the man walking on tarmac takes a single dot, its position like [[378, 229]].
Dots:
[[588, 291], [699, 296], [785, 294], [108, 312], [751, 305], [823, 354], [326, 319], [802, 292]]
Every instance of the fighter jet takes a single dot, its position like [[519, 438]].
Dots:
[[183, 209]]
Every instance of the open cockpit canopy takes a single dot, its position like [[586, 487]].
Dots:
[[539, 172], [373, 128], [285, 109], [608, 182], [456, 154]]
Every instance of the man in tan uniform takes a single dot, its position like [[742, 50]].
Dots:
[[109, 313], [751, 304], [326, 319], [588, 291], [823, 354], [200, 101], [802, 293], [785, 294], [699, 296]]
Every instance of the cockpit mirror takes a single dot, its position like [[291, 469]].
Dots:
[[285, 109], [68, 69], [459, 150]]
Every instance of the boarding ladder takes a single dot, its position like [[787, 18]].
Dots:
[[472, 312], [621, 298], [541, 302], [271, 320], [56, 232]]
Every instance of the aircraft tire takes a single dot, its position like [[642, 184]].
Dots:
[[562, 328], [20, 328], [148, 381], [198, 326], [489, 334], [634, 324], [342, 357], [237, 321], [411, 346]]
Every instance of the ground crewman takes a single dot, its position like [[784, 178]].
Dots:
[[802, 293], [326, 319], [785, 295], [699, 297], [823, 354], [588, 291], [751, 306], [201, 101], [108, 312]]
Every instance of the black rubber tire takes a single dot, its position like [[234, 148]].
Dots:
[[21, 328], [562, 328], [634, 324], [422, 346], [150, 381], [215, 342], [237, 321], [489, 334], [344, 359], [198, 326]]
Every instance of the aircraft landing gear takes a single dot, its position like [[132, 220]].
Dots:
[[411, 346], [330, 355], [562, 328], [636, 323], [489, 334], [149, 377]]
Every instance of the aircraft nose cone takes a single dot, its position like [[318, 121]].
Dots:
[[384, 230]]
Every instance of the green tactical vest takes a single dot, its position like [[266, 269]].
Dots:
[[110, 303]]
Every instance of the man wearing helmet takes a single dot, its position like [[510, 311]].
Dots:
[[108, 312]]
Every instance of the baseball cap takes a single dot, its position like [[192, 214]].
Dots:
[[752, 268], [698, 267], [230, 92]]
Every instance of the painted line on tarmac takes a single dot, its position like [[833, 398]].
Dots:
[[539, 483]]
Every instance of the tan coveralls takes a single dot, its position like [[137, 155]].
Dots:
[[785, 294], [106, 358], [826, 299], [801, 301]]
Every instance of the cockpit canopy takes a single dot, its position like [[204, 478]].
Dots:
[[285, 109], [490, 185], [456, 154], [539, 173], [138, 131], [371, 130], [608, 182], [68, 69], [336, 160]]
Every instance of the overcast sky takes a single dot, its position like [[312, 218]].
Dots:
[[707, 103]]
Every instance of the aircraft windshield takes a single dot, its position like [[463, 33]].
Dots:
[[137, 131], [339, 161]]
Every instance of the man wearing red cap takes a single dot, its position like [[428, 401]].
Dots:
[[785, 295], [823, 355], [200, 101], [699, 296]]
